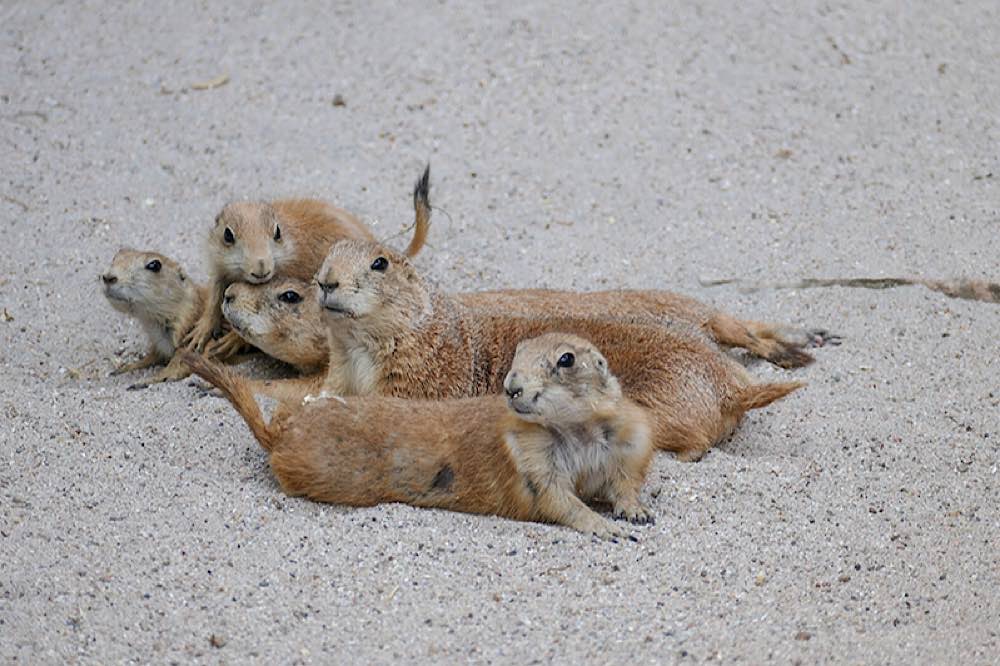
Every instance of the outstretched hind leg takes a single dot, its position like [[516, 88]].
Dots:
[[795, 336], [758, 339]]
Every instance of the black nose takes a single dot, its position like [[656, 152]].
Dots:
[[228, 298], [109, 279], [513, 392], [327, 287]]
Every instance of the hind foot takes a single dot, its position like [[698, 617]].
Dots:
[[820, 337]]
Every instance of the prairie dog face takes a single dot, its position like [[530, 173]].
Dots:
[[247, 242], [275, 317], [145, 284], [559, 379], [361, 279]]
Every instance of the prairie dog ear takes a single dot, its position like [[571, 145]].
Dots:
[[181, 274], [218, 218]]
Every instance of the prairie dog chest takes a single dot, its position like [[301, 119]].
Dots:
[[358, 369]]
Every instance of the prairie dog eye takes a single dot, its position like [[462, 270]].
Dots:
[[228, 236], [566, 360], [154, 266], [380, 264], [277, 233], [290, 297]]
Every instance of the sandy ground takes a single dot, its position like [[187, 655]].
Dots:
[[617, 144]]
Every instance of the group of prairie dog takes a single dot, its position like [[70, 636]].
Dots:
[[520, 403]]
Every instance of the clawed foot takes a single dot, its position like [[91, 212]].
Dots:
[[226, 346], [819, 337], [636, 514]]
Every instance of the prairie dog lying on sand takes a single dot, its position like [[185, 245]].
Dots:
[[392, 333], [567, 436]]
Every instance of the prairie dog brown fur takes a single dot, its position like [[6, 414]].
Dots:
[[779, 344], [256, 241], [156, 291], [405, 338], [568, 436]]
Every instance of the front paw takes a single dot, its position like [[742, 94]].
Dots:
[[137, 386], [636, 513]]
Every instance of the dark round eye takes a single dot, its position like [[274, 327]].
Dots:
[[154, 266], [228, 236], [380, 264], [277, 233], [290, 297], [566, 360]]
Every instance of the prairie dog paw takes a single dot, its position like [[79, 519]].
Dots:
[[636, 513]]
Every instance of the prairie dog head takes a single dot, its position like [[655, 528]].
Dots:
[[247, 241], [146, 284], [281, 318], [558, 379], [366, 281]]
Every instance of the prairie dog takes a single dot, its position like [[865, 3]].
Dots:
[[158, 293], [391, 333], [256, 241], [568, 436]]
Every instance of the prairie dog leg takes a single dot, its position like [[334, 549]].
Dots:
[[623, 493], [211, 319], [148, 361], [793, 335], [558, 504], [174, 371], [734, 333]]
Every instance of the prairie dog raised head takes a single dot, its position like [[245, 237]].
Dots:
[[147, 285], [155, 290], [560, 380], [368, 281], [281, 318], [247, 242]]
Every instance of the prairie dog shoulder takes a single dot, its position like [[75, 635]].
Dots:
[[567, 437]]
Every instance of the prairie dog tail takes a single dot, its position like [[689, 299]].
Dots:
[[237, 390], [756, 396], [422, 210]]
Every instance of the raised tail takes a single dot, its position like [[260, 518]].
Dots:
[[756, 396], [422, 211], [237, 390]]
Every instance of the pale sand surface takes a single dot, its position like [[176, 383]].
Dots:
[[620, 144]]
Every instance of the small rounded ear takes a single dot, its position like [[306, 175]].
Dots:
[[182, 275], [218, 218]]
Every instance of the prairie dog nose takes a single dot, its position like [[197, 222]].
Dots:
[[327, 287], [228, 298], [108, 278], [512, 386]]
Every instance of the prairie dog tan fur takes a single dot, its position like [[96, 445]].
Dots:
[[256, 241], [281, 319], [158, 293], [405, 338], [568, 436]]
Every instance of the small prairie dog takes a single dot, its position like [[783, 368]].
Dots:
[[156, 291], [565, 437], [391, 333], [257, 241]]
